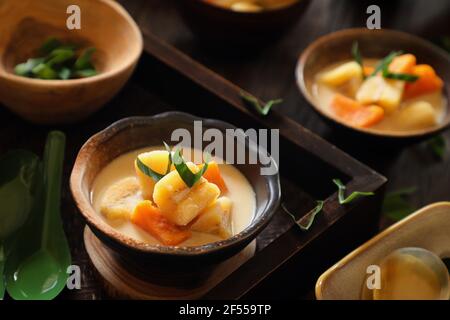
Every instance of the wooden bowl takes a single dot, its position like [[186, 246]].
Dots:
[[224, 28], [26, 24], [336, 47], [428, 228], [139, 132]]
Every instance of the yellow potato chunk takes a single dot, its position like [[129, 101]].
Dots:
[[157, 161], [342, 74], [243, 6], [179, 203], [120, 199], [215, 219], [418, 115], [392, 95], [383, 92]]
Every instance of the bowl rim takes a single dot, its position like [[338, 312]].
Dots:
[[99, 77], [92, 217], [371, 243], [301, 84]]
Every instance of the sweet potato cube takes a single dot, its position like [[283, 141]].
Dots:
[[150, 218]]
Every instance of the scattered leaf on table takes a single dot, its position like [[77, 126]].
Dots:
[[355, 195], [395, 205], [255, 103], [437, 146], [307, 220]]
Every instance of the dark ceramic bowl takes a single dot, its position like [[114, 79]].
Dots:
[[374, 44], [221, 27], [139, 132]]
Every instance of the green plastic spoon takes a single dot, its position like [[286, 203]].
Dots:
[[37, 268], [18, 178]]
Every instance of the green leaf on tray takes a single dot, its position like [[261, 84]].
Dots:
[[189, 178], [148, 171], [307, 220], [438, 146], [357, 56], [255, 103], [355, 195], [395, 205]]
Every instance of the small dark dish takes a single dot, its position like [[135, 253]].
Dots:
[[337, 46], [138, 132], [221, 27]]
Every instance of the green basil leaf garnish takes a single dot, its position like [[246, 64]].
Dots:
[[357, 56], [148, 171], [384, 64], [169, 163], [189, 178], [400, 76]]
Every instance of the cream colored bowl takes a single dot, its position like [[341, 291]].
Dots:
[[428, 228]]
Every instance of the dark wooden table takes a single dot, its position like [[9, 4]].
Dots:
[[269, 73]]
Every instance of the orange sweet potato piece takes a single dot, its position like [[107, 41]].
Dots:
[[428, 82], [403, 63], [213, 175], [368, 70], [149, 218], [354, 113]]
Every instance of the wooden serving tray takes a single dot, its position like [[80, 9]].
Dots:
[[287, 260]]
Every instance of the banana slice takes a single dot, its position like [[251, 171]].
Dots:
[[179, 203], [215, 219], [120, 199]]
